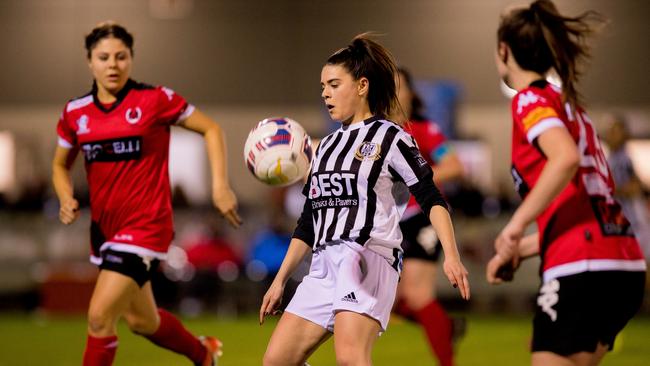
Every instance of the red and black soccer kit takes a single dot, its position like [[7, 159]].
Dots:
[[581, 232], [125, 146]]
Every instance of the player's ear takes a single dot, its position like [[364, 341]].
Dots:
[[363, 85], [502, 52]]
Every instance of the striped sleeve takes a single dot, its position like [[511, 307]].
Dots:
[[406, 164]]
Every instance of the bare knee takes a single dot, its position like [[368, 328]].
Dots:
[[101, 323], [352, 360], [142, 325], [351, 356], [416, 297], [275, 358]]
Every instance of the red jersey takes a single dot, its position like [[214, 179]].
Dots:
[[433, 147], [583, 228], [125, 147]]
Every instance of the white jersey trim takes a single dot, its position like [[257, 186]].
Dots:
[[542, 126], [79, 103], [594, 265], [64, 143], [127, 248], [186, 113]]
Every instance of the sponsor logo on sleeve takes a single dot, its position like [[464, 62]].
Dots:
[[527, 98]]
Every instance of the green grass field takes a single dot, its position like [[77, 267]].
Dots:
[[490, 340]]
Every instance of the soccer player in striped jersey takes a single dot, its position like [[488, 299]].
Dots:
[[350, 221], [593, 271], [416, 293], [122, 128]]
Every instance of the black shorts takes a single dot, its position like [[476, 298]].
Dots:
[[129, 264], [574, 313], [419, 239]]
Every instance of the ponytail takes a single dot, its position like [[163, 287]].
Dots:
[[364, 57], [541, 38]]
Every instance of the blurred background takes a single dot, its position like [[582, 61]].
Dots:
[[242, 61]]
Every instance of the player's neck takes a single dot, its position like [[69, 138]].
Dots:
[[106, 96], [358, 117], [522, 79]]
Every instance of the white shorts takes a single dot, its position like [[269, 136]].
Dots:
[[345, 277]]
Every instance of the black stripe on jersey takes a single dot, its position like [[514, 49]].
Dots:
[[321, 168], [418, 167], [322, 144], [389, 137], [356, 163], [425, 191], [395, 174], [328, 152], [337, 167], [397, 263]]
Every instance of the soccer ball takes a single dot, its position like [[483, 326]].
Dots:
[[278, 151]]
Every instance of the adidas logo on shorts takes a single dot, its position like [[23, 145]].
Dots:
[[350, 298]]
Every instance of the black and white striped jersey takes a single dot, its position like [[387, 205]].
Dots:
[[356, 192]]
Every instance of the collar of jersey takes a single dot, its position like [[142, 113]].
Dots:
[[358, 125], [119, 97]]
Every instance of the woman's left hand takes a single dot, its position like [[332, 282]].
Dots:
[[225, 201], [457, 275], [507, 243]]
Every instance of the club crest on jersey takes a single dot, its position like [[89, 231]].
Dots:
[[82, 125], [368, 151], [133, 115]]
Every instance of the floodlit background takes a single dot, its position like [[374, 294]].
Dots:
[[241, 61]]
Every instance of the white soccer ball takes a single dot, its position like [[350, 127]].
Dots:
[[278, 151]]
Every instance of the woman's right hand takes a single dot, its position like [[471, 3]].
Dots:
[[457, 275], [69, 211], [272, 299]]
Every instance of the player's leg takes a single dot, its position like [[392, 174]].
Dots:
[[164, 329], [418, 293], [110, 299], [294, 339], [365, 292], [576, 359], [417, 287], [354, 336], [550, 359]]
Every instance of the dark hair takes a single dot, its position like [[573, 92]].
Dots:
[[108, 30], [417, 106], [540, 39], [364, 57]]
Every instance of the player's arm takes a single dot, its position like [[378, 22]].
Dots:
[[633, 187], [448, 168], [563, 160], [453, 267], [222, 195], [299, 247], [500, 268], [61, 164], [529, 246], [297, 251]]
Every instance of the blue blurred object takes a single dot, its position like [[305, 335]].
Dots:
[[269, 247], [441, 99]]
